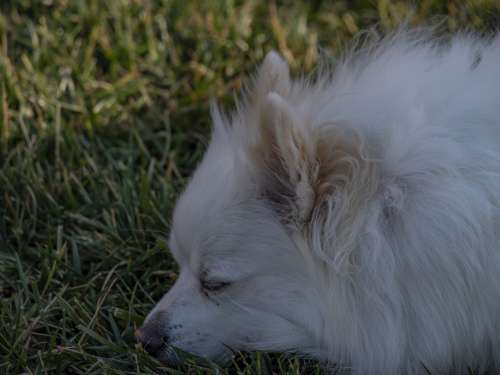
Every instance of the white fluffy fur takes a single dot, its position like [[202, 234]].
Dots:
[[387, 264]]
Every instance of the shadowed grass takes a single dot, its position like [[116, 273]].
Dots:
[[103, 115]]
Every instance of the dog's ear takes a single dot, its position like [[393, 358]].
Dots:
[[302, 167], [287, 159]]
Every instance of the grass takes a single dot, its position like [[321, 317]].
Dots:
[[103, 115]]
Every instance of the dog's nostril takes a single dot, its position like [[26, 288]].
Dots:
[[151, 341]]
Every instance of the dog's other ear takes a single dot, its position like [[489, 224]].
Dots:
[[220, 123], [272, 76]]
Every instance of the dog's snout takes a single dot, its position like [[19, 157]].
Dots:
[[151, 337]]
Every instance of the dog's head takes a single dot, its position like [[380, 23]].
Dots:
[[242, 230]]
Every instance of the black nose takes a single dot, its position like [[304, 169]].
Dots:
[[151, 338]]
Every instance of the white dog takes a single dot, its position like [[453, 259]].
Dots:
[[353, 217]]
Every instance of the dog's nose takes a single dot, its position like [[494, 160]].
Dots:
[[151, 338]]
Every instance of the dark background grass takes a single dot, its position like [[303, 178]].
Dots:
[[103, 115]]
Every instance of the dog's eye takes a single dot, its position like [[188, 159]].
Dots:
[[214, 286]]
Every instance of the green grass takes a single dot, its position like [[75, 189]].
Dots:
[[103, 115]]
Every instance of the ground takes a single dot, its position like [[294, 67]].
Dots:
[[104, 112]]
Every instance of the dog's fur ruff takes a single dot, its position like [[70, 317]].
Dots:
[[353, 217]]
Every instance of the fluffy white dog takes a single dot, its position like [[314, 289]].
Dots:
[[353, 217]]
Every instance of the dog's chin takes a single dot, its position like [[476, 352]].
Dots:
[[168, 356]]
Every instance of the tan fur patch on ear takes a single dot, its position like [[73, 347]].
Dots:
[[344, 168], [337, 164]]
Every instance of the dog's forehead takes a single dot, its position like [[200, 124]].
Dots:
[[233, 239]]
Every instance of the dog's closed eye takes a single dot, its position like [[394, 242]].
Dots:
[[214, 286]]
